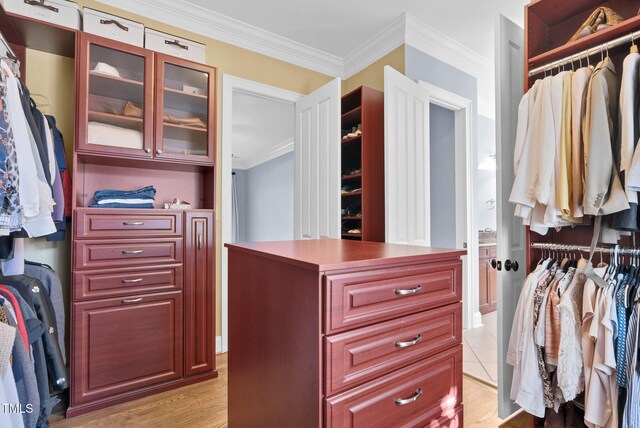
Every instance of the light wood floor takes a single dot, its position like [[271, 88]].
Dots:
[[204, 405]]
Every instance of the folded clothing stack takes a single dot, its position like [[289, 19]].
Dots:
[[141, 198]]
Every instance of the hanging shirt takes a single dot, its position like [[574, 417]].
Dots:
[[579, 84], [603, 192]]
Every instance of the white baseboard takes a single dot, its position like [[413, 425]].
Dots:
[[218, 344], [477, 319]]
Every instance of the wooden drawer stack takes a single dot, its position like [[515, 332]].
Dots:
[[344, 334], [135, 302]]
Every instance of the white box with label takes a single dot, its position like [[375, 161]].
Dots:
[[175, 46], [59, 12], [113, 27]]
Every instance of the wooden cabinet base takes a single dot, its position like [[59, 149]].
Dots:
[[81, 409]]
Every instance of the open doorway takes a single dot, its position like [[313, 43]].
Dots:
[[263, 168], [258, 125]]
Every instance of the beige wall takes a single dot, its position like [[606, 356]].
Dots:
[[53, 77], [373, 75]]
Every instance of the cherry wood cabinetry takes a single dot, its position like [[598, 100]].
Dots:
[[488, 280], [363, 165], [143, 104], [199, 326], [126, 344], [143, 297], [340, 333]]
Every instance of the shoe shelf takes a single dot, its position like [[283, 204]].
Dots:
[[362, 158]]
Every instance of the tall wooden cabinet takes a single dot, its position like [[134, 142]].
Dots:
[[362, 155], [143, 299]]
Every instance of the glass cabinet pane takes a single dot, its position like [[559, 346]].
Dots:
[[116, 98], [185, 111]]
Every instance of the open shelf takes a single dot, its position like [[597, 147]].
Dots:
[[359, 192], [352, 218], [352, 235], [351, 177], [38, 35], [352, 139], [595, 39]]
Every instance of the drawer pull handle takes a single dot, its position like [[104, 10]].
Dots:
[[40, 3], [413, 398], [199, 241], [138, 300], [133, 223], [132, 281], [408, 343], [132, 252], [176, 43], [407, 292], [114, 22]]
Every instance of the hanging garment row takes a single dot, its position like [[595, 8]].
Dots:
[[33, 368], [35, 185], [574, 344], [575, 149]]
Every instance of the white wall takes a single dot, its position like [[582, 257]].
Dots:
[[486, 178], [265, 194]]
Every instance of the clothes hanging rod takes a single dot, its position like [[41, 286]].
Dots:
[[586, 53], [583, 249]]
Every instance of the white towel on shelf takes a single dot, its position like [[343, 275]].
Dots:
[[109, 135], [126, 201]]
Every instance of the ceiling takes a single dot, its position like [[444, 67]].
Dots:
[[262, 129], [340, 27]]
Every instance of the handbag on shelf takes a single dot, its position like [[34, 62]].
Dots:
[[601, 18]]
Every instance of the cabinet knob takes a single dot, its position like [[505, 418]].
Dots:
[[147, 150], [158, 151]]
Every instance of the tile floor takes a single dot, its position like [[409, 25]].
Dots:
[[480, 350]]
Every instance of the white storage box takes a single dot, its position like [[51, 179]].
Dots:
[[175, 46], [61, 12], [113, 27]]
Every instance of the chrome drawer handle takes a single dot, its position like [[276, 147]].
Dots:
[[138, 300], [199, 241], [133, 223], [406, 344], [413, 398], [132, 281], [410, 291], [132, 252]]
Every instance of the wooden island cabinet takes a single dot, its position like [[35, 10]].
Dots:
[[338, 333]]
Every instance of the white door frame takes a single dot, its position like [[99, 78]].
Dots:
[[466, 222], [231, 84]]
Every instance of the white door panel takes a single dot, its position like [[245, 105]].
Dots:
[[317, 164], [511, 233], [407, 184]]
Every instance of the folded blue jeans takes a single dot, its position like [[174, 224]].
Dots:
[[148, 192], [114, 205]]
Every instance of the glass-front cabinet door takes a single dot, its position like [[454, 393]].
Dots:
[[116, 115], [185, 112]]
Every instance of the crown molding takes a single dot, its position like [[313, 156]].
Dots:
[[437, 44], [273, 152], [406, 29], [199, 20], [385, 41]]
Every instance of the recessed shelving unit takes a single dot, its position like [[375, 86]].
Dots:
[[362, 159]]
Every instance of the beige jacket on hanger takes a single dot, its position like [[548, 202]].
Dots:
[[603, 192], [579, 84]]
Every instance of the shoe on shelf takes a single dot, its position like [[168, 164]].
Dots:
[[354, 231], [358, 130]]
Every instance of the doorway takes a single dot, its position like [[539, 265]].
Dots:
[[261, 154]]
